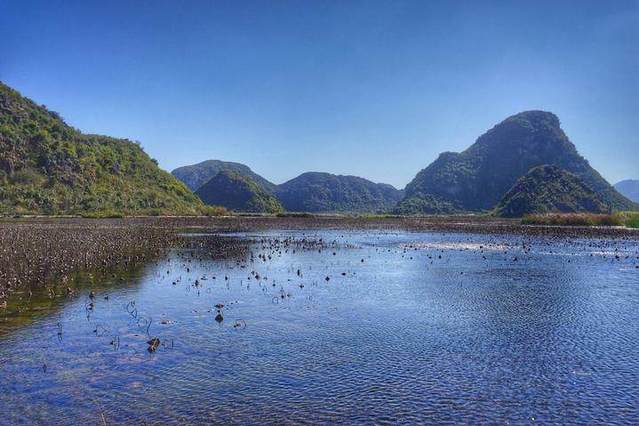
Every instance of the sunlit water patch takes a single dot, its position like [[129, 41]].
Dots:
[[334, 326]]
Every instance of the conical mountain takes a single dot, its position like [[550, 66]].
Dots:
[[549, 189], [477, 178], [239, 193], [196, 175]]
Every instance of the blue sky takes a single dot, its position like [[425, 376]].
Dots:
[[375, 89]]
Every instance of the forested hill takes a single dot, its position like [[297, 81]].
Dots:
[[48, 167], [196, 175], [477, 178], [325, 192], [237, 192], [549, 189]]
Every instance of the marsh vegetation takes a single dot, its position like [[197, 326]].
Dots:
[[627, 219], [271, 320]]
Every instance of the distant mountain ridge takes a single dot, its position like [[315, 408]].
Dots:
[[239, 193], [629, 188], [549, 189], [316, 192], [477, 178], [48, 167], [196, 175]]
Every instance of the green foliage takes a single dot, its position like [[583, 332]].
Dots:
[[327, 193], [196, 175], [238, 193], [630, 219], [549, 189], [477, 178], [627, 219], [633, 223], [213, 211], [48, 167], [573, 219], [295, 214], [419, 204], [28, 176], [105, 214]]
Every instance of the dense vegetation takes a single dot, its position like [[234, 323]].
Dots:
[[549, 189], [196, 175], [630, 219], [48, 167], [476, 179], [627, 219], [629, 188], [237, 192], [324, 192], [36, 254], [309, 192]]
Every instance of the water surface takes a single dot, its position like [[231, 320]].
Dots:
[[336, 326]]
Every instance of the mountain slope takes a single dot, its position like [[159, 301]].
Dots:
[[236, 192], [196, 175], [48, 167], [549, 189], [477, 178], [629, 188], [324, 192]]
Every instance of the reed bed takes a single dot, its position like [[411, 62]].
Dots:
[[627, 219], [36, 251], [33, 254], [631, 219]]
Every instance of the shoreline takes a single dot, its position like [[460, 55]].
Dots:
[[37, 251], [468, 223]]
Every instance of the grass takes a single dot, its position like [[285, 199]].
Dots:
[[631, 219], [295, 214], [105, 214], [214, 211], [627, 219], [203, 210]]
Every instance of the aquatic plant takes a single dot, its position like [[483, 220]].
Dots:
[[630, 219], [572, 219], [627, 219], [40, 253]]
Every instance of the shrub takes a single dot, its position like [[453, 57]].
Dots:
[[28, 177], [295, 214], [630, 219], [214, 211]]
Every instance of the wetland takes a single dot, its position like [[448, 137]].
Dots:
[[316, 321]]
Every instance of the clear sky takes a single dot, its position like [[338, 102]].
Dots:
[[375, 89]]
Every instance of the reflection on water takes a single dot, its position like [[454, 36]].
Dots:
[[27, 305], [335, 326]]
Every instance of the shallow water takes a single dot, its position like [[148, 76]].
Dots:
[[409, 328]]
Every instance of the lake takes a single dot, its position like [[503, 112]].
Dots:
[[335, 326]]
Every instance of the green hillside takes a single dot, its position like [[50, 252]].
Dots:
[[196, 175], [324, 192], [549, 189], [48, 167], [477, 178], [239, 193]]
